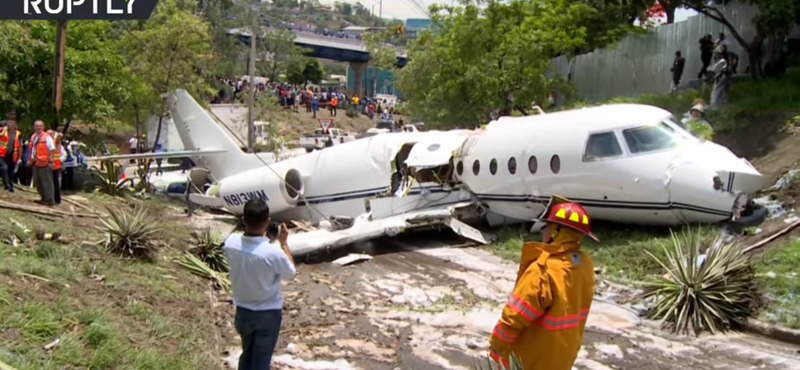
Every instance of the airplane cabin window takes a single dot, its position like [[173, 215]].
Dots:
[[602, 145], [476, 167], [533, 164], [651, 138], [512, 165], [460, 168], [555, 164], [493, 166]]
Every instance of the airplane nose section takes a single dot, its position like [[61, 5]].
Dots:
[[706, 181], [734, 175]]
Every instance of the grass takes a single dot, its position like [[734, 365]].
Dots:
[[106, 312], [622, 257], [621, 253], [747, 97], [777, 273]]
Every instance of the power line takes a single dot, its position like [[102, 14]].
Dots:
[[414, 5]]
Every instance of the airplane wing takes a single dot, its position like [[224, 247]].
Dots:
[[177, 154], [365, 229]]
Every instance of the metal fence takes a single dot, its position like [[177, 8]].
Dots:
[[641, 63]]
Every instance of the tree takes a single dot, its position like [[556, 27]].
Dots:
[[278, 53], [773, 21], [303, 72], [94, 78], [169, 51], [488, 57]]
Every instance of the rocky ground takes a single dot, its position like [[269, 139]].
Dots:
[[425, 306]]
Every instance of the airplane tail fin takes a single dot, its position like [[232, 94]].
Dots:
[[199, 131]]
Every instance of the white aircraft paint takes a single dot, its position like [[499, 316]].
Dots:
[[623, 162]]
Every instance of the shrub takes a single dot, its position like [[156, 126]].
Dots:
[[130, 234], [207, 246], [703, 294]]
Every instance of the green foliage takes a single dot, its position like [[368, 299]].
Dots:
[[94, 77], [696, 295], [382, 53], [131, 234], [207, 245], [109, 180], [282, 55], [777, 271], [304, 71], [484, 58], [166, 52], [196, 266]]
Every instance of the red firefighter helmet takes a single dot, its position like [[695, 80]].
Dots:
[[564, 212]]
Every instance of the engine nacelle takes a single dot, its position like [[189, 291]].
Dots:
[[280, 194]]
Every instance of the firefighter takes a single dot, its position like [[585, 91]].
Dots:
[[543, 320]]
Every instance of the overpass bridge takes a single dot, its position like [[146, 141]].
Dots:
[[353, 51]]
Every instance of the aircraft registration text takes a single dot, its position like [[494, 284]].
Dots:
[[242, 198]]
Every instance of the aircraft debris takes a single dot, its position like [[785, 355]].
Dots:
[[624, 162], [52, 344], [352, 258]]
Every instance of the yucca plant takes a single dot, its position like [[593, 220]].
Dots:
[[130, 234], [709, 294], [207, 246], [109, 181], [197, 267], [487, 363]]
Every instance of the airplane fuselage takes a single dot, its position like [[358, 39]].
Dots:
[[625, 163]]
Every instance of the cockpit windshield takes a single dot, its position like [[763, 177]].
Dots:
[[653, 137]]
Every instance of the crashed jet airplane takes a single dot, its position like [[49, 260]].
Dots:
[[623, 162]]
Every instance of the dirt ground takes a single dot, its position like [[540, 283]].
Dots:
[[421, 305]]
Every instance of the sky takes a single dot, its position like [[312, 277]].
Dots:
[[402, 9]]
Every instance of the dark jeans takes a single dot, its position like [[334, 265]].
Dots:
[[57, 186], [7, 172], [259, 331], [68, 180]]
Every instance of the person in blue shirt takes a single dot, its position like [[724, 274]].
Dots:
[[314, 106], [256, 268]]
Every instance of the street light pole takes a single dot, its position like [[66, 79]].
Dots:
[[252, 86]]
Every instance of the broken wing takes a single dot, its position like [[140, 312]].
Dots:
[[364, 229]]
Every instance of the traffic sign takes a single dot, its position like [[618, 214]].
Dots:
[[325, 123]]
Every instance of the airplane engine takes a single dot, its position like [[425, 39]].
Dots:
[[279, 195]]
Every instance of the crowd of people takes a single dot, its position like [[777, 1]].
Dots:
[[312, 99], [45, 159]]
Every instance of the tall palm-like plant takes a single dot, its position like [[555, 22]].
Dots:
[[709, 294]]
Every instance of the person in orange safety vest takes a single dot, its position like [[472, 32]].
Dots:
[[41, 160], [543, 320], [57, 136], [10, 151]]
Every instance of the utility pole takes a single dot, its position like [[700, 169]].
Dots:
[[58, 75], [252, 83], [380, 9]]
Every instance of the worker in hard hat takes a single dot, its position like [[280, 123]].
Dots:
[[696, 124], [543, 320]]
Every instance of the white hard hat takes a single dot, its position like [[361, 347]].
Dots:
[[699, 108]]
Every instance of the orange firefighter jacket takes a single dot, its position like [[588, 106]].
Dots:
[[543, 320]]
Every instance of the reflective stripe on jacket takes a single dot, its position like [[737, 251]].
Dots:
[[4, 144], [543, 320]]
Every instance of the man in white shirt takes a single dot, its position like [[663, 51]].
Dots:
[[256, 268]]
